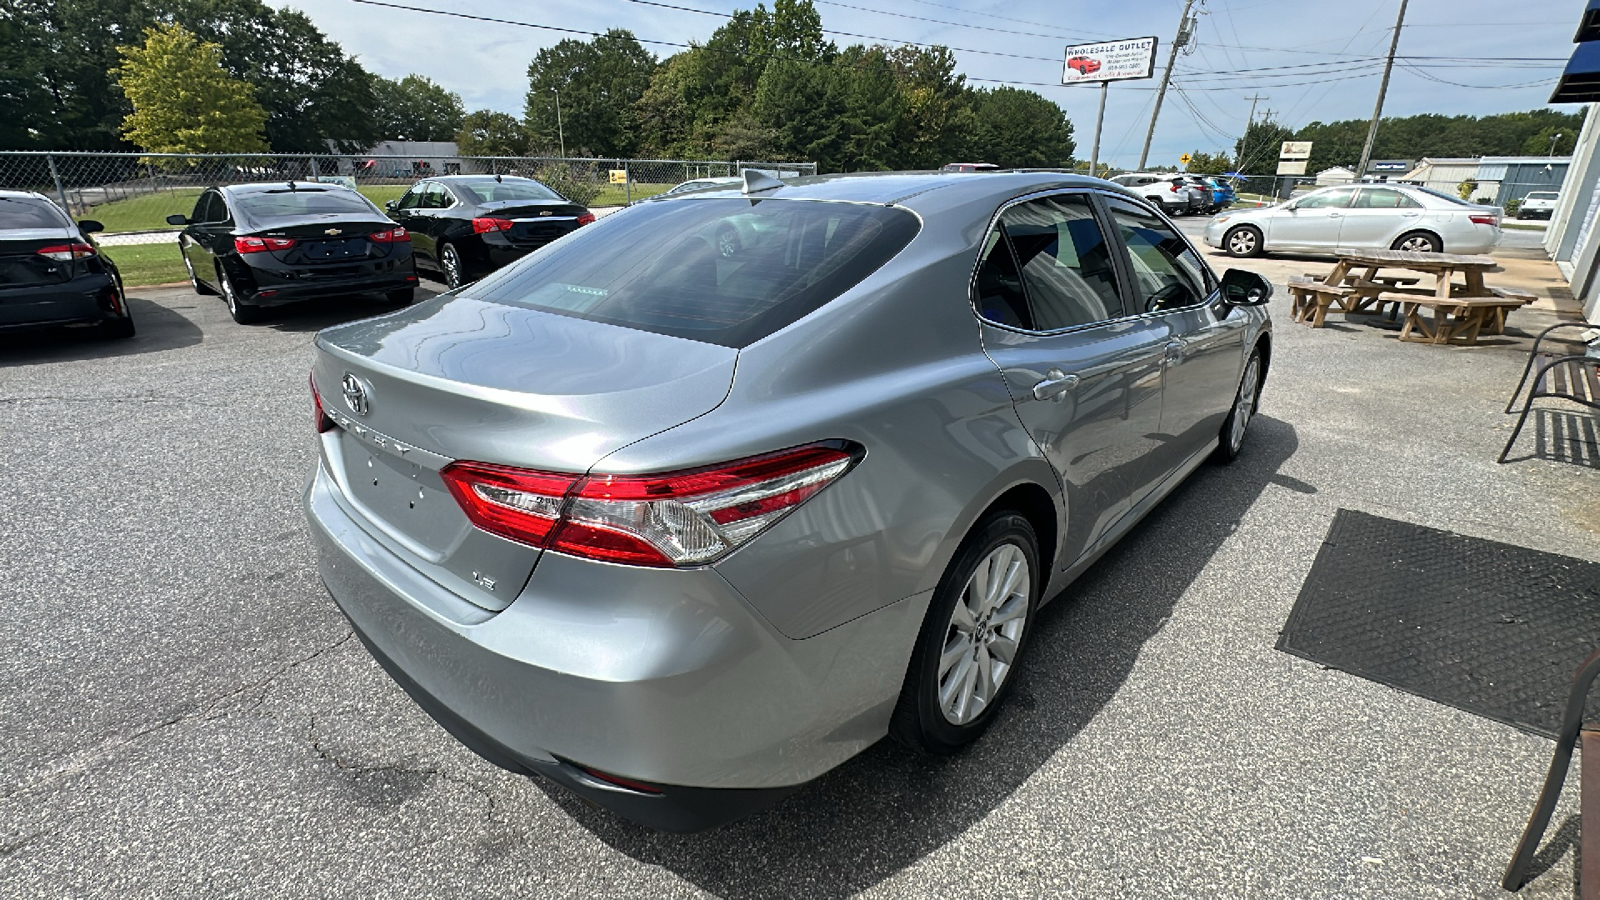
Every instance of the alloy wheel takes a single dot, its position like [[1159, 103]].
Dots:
[[1242, 242], [1245, 405], [1417, 243], [984, 634], [228, 294]]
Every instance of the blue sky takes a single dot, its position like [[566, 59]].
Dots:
[[1309, 59]]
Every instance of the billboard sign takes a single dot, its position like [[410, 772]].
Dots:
[[1295, 150], [1123, 60], [1390, 165], [1291, 167]]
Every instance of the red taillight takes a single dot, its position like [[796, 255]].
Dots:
[[68, 252], [1174, 189], [483, 226], [319, 419], [1484, 220], [586, 219], [392, 236], [675, 519], [251, 244]]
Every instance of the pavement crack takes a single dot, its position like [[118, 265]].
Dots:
[[108, 749]]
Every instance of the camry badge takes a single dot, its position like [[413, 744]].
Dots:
[[332, 231], [355, 394]]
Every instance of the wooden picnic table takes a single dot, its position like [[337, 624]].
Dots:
[[1459, 311]]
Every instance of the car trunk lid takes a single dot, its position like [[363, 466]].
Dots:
[[464, 379], [535, 221], [329, 240], [21, 263]]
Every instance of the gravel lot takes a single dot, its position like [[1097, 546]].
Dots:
[[186, 714]]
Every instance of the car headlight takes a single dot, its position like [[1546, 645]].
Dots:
[[1219, 219]]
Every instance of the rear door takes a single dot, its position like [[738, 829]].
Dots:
[[1204, 351], [1377, 217], [1084, 377]]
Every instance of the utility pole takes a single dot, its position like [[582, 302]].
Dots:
[[1383, 88], [560, 132], [1185, 32], [1244, 139]]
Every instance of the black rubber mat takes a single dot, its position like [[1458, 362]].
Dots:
[[1490, 628]]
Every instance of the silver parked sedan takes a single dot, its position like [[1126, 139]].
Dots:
[[683, 529], [1359, 217]]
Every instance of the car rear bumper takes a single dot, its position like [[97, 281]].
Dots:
[[271, 283], [658, 676], [88, 299]]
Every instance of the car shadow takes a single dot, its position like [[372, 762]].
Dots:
[[158, 329], [315, 315], [887, 808]]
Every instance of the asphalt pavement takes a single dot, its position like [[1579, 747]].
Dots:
[[186, 714]]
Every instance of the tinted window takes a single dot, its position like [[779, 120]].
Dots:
[[488, 190], [1384, 198], [202, 206], [998, 288], [435, 197], [1167, 273], [275, 204], [413, 197], [723, 271], [1336, 197], [25, 212], [1065, 262]]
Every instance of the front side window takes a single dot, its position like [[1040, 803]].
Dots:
[[413, 197], [1384, 198], [1064, 260], [1333, 198], [722, 271], [1167, 272]]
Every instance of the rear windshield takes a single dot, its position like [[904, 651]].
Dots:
[[725, 271], [1542, 195], [25, 212], [489, 190], [301, 202]]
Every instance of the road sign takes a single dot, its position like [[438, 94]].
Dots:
[[619, 176], [1389, 165], [1295, 150], [1185, 159], [1291, 167], [1123, 60]]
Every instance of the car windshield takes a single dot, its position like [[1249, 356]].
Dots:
[[17, 213], [722, 271], [285, 203], [489, 191], [1443, 196]]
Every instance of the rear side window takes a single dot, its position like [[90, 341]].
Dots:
[[281, 204], [720, 270], [26, 212], [1064, 260], [1384, 198]]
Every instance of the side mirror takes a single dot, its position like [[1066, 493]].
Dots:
[[177, 219], [391, 205], [90, 226], [1245, 288]]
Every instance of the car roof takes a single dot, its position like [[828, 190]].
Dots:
[[454, 179], [899, 188], [259, 187], [30, 195]]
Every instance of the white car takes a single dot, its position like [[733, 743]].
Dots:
[[1167, 190], [1359, 217], [1538, 205]]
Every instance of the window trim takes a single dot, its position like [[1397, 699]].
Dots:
[[1125, 259], [1118, 262]]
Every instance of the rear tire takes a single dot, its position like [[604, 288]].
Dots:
[[450, 266], [1242, 241], [243, 313], [116, 329], [1418, 242], [972, 638]]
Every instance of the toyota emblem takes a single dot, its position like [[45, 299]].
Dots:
[[355, 394]]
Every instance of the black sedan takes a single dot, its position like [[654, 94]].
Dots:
[[51, 272], [262, 245], [466, 226]]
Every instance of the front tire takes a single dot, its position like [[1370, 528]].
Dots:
[[1246, 400], [1243, 241], [1418, 242], [243, 313], [972, 638]]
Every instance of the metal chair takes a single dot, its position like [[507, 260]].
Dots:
[[1573, 376]]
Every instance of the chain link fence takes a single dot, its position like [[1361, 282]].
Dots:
[[133, 193]]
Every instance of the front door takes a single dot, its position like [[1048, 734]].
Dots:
[[412, 212], [197, 239], [1205, 345], [1084, 377], [1311, 222]]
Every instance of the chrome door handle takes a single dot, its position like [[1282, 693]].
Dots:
[[1055, 383], [1335, 215], [1175, 350]]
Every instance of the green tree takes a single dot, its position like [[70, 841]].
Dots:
[[416, 109], [183, 100], [599, 82], [489, 133], [1545, 142], [1018, 128], [1208, 163], [937, 114]]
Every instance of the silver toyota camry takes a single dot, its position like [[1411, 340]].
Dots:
[[694, 504]]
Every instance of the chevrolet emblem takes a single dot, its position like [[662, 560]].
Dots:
[[333, 231], [545, 212]]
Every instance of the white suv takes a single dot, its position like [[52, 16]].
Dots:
[[1538, 205], [1166, 190]]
